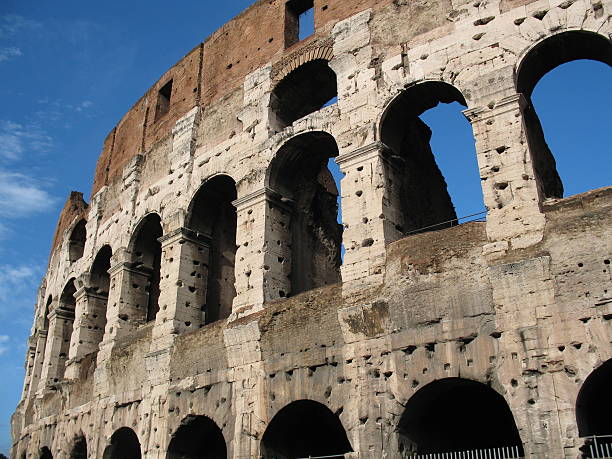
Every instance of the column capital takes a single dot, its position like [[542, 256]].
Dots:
[[363, 153], [506, 104], [264, 194], [185, 234], [61, 313]]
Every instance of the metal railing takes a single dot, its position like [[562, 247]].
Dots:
[[598, 446], [508, 452]]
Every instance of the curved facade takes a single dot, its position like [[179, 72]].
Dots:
[[199, 305]]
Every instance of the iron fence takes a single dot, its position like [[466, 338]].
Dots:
[[598, 447], [508, 452]]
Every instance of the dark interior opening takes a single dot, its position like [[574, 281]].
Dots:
[[66, 319], [593, 406], [456, 415], [300, 175], [305, 428], [146, 256], [421, 188], [77, 239], [100, 285], [198, 437], [45, 453], [299, 21], [124, 444], [163, 100], [79, 449], [213, 217], [305, 90], [45, 325], [549, 54]]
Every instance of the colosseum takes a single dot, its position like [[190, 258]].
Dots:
[[205, 303]]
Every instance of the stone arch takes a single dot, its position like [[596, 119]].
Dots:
[[593, 404], [79, 448], [76, 241], [45, 453], [456, 414], [124, 444], [541, 58], [99, 287], [308, 238], [212, 218], [304, 89], [197, 437], [419, 190], [45, 317], [305, 428], [145, 249], [61, 321]]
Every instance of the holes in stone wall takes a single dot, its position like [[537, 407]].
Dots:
[[577, 156], [309, 197], [302, 429], [307, 89], [213, 218], [163, 100], [76, 242]]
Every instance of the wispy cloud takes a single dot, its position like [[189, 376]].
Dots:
[[4, 343], [16, 138], [15, 280], [10, 24], [7, 53], [22, 196]]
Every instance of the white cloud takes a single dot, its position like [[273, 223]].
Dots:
[[10, 24], [15, 280], [21, 196], [4, 339], [7, 53], [83, 105], [16, 138]]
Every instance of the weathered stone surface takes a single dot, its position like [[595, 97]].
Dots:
[[520, 303]]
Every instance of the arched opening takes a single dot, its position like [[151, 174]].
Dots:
[[551, 53], [198, 437], [593, 410], [419, 188], [146, 258], [99, 287], [454, 414], [61, 321], [124, 444], [302, 429], [45, 324], [79, 448], [305, 90], [309, 238], [76, 242], [45, 453], [213, 218]]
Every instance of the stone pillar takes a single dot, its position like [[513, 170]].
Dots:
[[371, 213], [89, 324], [263, 257], [38, 362], [29, 366], [127, 298], [184, 274], [57, 346], [510, 188]]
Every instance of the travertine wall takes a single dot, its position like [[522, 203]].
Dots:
[[520, 303]]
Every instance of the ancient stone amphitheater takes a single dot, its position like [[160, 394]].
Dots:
[[199, 306]]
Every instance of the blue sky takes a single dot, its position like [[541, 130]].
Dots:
[[69, 70]]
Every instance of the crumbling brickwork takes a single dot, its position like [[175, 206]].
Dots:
[[198, 305]]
